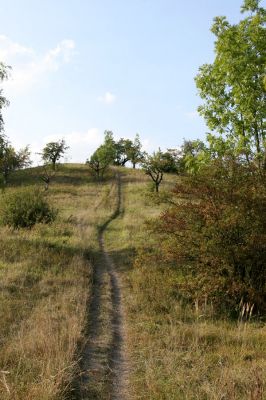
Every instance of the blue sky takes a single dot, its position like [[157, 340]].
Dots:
[[83, 66]]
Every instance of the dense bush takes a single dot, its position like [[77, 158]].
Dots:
[[215, 235], [26, 207]]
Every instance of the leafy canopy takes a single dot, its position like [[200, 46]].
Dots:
[[3, 101], [233, 87], [53, 151]]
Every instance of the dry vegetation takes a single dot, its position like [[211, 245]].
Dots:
[[45, 278], [178, 351]]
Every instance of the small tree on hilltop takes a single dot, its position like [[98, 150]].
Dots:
[[155, 166], [135, 153], [123, 148], [101, 159], [53, 151]]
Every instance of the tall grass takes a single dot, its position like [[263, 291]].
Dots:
[[178, 350], [45, 278]]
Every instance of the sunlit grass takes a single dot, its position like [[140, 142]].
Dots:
[[45, 278], [178, 351]]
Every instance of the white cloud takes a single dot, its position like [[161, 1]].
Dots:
[[9, 49], [28, 67], [91, 137], [107, 98], [81, 144]]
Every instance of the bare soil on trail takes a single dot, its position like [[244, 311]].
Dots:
[[104, 365]]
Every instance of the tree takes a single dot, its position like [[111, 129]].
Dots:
[[46, 175], [155, 166], [53, 151], [101, 159], [123, 149], [135, 154], [233, 87], [11, 160], [3, 101], [193, 154]]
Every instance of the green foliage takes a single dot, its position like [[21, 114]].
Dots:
[[233, 87], [53, 151], [3, 101], [103, 156], [216, 235], [25, 208], [122, 151], [135, 154], [191, 156], [11, 160], [156, 165], [115, 153]]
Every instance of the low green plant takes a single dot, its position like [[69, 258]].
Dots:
[[25, 208]]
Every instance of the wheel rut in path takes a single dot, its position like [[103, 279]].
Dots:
[[104, 367]]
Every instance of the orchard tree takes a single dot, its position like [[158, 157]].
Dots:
[[155, 166], [122, 151], [135, 154], [11, 160], [101, 159], [47, 173], [233, 87], [53, 151], [109, 140]]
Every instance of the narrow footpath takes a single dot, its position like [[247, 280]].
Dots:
[[104, 366]]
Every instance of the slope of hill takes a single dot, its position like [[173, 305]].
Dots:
[[77, 322], [178, 350], [46, 278]]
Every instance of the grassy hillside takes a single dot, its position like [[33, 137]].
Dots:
[[176, 350], [45, 278]]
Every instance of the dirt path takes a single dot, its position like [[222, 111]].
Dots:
[[104, 365]]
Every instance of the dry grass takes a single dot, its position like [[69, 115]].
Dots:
[[45, 278], [178, 351]]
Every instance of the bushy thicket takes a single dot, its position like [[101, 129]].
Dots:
[[26, 207], [215, 236]]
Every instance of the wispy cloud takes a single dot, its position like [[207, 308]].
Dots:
[[28, 67], [92, 137], [107, 98], [82, 144]]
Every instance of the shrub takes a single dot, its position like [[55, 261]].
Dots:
[[25, 208], [215, 235]]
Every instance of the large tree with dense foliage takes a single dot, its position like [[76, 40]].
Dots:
[[233, 90], [53, 151], [123, 148]]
